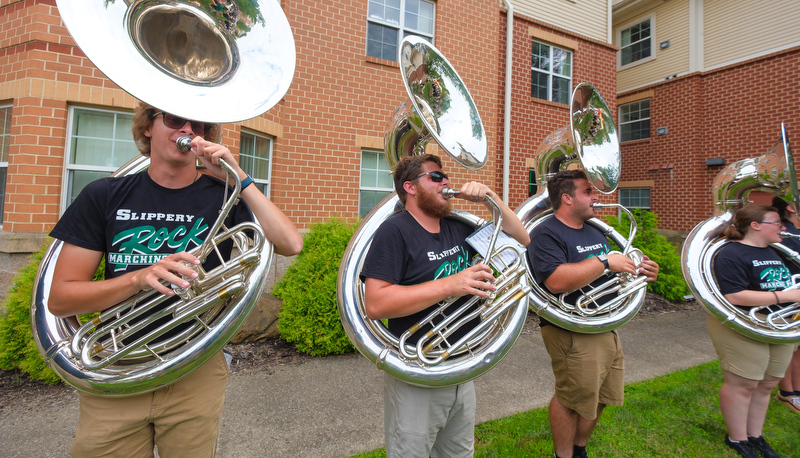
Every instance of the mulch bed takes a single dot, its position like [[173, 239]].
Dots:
[[15, 386]]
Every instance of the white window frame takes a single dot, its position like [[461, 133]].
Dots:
[[379, 170], [5, 144], [652, 56], [401, 29], [549, 72], [70, 168], [258, 180], [638, 198], [625, 124]]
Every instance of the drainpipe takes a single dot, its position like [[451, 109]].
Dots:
[[507, 102]]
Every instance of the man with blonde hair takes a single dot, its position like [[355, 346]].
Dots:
[[161, 213]]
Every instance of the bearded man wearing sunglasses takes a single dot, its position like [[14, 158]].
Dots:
[[417, 259], [132, 221]]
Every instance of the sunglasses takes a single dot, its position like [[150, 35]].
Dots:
[[176, 122], [436, 176]]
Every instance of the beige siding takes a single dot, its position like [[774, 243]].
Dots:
[[739, 29], [586, 17], [670, 21]]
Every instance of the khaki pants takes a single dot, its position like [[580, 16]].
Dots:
[[422, 422], [182, 419], [589, 369]]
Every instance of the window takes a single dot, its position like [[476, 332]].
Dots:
[[389, 21], [634, 120], [551, 73], [5, 142], [100, 141], [376, 181], [635, 197], [636, 43], [254, 158]]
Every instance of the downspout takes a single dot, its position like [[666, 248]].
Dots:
[[507, 102]]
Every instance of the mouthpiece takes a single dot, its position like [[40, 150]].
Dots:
[[789, 235], [450, 193], [184, 143]]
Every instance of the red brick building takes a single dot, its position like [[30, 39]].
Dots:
[[706, 82], [66, 123]]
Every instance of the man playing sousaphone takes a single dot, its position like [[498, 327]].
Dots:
[[159, 214], [567, 255], [419, 258]]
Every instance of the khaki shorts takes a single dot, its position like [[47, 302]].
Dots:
[[746, 357], [589, 369], [423, 422], [182, 419]]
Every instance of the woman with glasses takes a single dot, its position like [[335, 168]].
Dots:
[[144, 225], [750, 274]]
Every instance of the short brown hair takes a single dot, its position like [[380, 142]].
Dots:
[[408, 168], [562, 183], [143, 120]]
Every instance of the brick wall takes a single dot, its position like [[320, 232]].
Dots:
[[532, 120], [339, 103], [732, 113]]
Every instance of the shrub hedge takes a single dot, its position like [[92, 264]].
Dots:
[[17, 348], [310, 316], [670, 283]]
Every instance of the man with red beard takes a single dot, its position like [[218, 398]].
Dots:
[[566, 256], [419, 258]]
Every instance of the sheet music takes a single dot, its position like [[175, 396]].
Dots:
[[479, 240]]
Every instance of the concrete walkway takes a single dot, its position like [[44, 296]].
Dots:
[[333, 406]]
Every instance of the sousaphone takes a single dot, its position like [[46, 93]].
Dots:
[[440, 108], [221, 61], [589, 142], [773, 173]]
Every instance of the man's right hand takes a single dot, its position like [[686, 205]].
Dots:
[[620, 263], [476, 280], [171, 269]]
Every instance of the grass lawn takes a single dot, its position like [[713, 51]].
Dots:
[[676, 415]]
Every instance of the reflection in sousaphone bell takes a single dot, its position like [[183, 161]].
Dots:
[[189, 58], [439, 107]]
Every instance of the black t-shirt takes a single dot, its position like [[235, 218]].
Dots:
[[404, 253], [739, 267], [553, 243], [137, 222]]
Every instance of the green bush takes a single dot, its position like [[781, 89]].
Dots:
[[310, 317], [17, 348], [670, 283]]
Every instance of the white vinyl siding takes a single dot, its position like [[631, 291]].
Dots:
[[735, 30], [593, 15]]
